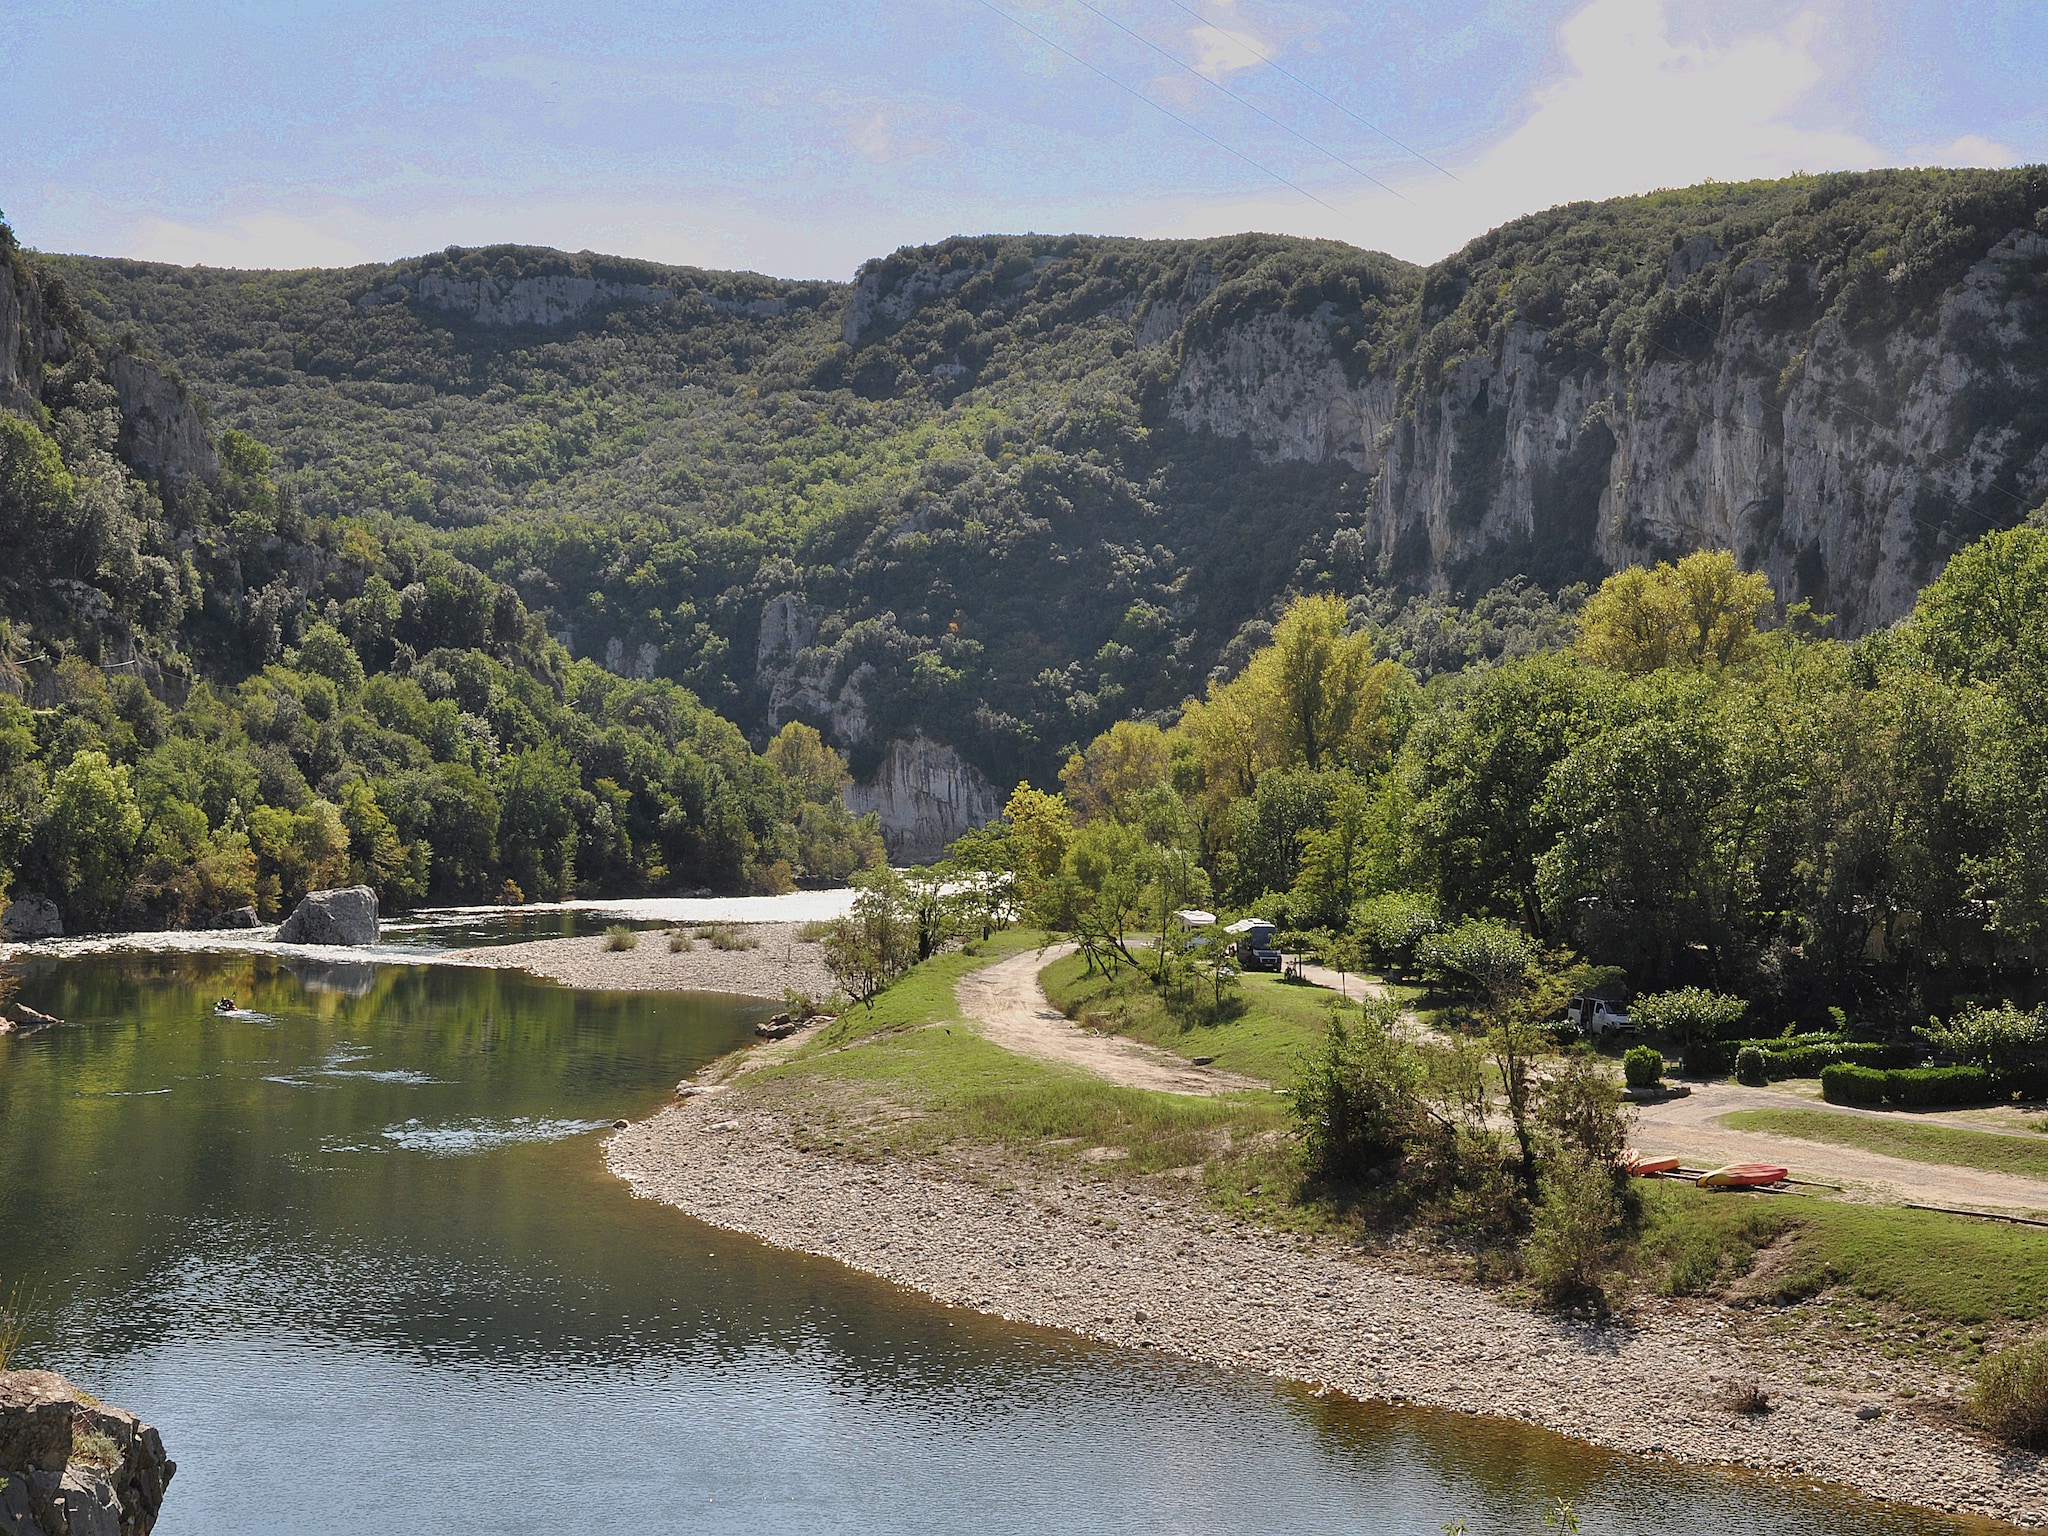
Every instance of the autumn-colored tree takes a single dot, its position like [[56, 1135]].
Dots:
[[1699, 614], [1314, 699], [800, 755], [1120, 765]]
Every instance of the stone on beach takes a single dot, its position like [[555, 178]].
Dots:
[[345, 916]]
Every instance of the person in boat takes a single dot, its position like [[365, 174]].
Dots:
[[225, 1005]]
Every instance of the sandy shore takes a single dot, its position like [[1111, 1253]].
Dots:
[[1146, 1263], [779, 962]]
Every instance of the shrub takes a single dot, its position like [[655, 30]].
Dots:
[[1642, 1066], [1483, 956], [1745, 1397], [1572, 1238], [1689, 1014], [1389, 927], [1997, 1038], [1904, 1087], [2011, 1395], [1802, 1056], [1578, 1105], [1358, 1099], [678, 942], [619, 936], [1751, 1066], [724, 936]]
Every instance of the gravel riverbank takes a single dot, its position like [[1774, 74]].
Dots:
[[1144, 1263], [777, 961]]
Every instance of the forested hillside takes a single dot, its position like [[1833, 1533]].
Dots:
[[1005, 491], [212, 696], [1009, 490]]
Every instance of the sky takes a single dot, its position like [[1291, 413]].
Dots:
[[800, 138]]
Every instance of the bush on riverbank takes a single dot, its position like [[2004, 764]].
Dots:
[[620, 937], [2011, 1396]]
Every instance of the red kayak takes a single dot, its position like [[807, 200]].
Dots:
[[1744, 1176], [1649, 1167]]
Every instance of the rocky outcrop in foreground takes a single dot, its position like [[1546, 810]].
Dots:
[[71, 1466], [346, 916]]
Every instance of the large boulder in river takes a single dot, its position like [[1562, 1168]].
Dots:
[[346, 916], [30, 916], [71, 1466]]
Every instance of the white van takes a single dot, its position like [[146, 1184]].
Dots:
[[1599, 1017]]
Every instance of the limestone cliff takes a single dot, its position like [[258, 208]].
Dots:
[[71, 1466], [925, 796], [1845, 459]]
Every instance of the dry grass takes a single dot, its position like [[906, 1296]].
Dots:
[[1744, 1396], [725, 936], [619, 936], [679, 942], [14, 1315]]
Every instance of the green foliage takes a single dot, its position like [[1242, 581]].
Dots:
[[1751, 1066], [876, 941], [1573, 1237], [1904, 1087], [1390, 928], [2010, 1395], [1357, 1101], [620, 937], [1998, 1038], [1642, 1066], [1486, 958], [1689, 1014]]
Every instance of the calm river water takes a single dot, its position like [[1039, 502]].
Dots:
[[355, 1253]]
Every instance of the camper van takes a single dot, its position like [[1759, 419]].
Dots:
[[1255, 951]]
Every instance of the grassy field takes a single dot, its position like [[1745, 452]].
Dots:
[[1949, 1274], [1280, 1019], [911, 1075], [1915, 1140]]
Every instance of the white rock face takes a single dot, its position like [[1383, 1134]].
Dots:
[[925, 796], [160, 430], [1837, 465], [804, 680], [345, 916]]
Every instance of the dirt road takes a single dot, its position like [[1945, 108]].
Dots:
[[1006, 1000], [1689, 1127]]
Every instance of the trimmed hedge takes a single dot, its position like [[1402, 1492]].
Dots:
[[1904, 1087], [1802, 1056]]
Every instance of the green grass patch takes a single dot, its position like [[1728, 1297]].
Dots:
[[923, 996], [1279, 1021], [1915, 1140], [921, 1077], [1944, 1270]]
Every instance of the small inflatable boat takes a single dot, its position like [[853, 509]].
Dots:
[[225, 1005], [1744, 1176]]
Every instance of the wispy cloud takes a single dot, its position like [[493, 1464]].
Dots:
[[1633, 110]]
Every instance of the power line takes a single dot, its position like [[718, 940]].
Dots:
[[1275, 66], [1241, 101], [1132, 91]]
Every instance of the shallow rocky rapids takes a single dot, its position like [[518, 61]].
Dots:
[[1143, 1263]]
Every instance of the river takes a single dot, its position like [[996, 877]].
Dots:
[[353, 1250]]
